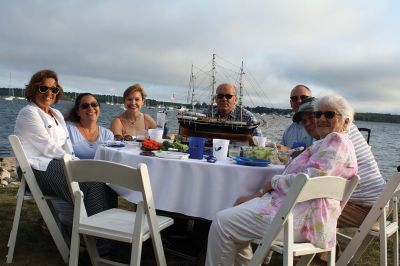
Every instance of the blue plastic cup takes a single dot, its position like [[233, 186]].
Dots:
[[196, 147]]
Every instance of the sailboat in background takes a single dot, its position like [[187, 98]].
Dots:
[[10, 96], [192, 123]]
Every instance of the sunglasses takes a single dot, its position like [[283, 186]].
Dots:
[[327, 114], [227, 96], [86, 105], [44, 89], [120, 138], [296, 98]]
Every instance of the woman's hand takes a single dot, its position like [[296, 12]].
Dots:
[[243, 199], [267, 187], [282, 147]]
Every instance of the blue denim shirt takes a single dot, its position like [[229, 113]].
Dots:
[[296, 133]]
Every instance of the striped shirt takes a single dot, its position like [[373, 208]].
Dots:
[[371, 181]]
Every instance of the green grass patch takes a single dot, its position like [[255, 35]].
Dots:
[[33, 247]]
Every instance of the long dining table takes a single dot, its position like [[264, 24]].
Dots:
[[191, 187]]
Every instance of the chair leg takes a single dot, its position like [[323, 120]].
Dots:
[[332, 256], [54, 228], [383, 248], [396, 248], [361, 249], [305, 260], [74, 249], [92, 249], [14, 230], [136, 252], [268, 258]]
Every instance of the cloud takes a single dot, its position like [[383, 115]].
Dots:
[[348, 47]]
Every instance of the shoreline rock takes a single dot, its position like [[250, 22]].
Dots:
[[8, 173]]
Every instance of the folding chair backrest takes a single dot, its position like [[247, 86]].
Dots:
[[109, 172], [38, 196], [389, 191], [118, 174], [305, 188], [26, 168], [333, 187]]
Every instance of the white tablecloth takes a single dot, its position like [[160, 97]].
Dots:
[[191, 187]]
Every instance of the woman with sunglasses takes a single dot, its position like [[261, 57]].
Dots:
[[132, 122], [44, 137], [233, 229], [83, 129]]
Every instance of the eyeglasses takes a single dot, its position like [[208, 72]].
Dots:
[[126, 137], [307, 117], [327, 114], [86, 105], [44, 89], [296, 98], [227, 96]]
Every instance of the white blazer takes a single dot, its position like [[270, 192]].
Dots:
[[43, 137]]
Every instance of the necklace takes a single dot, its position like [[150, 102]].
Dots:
[[132, 122], [90, 136]]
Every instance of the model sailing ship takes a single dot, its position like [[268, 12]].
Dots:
[[192, 123]]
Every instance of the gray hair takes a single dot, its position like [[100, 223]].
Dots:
[[227, 85], [339, 103]]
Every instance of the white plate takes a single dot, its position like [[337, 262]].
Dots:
[[172, 155]]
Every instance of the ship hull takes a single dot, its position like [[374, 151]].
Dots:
[[225, 130]]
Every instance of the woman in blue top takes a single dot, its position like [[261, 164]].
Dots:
[[83, 129]]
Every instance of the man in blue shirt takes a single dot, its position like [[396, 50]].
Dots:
[[295, 133]]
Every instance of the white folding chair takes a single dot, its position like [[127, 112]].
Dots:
[[42, 202], [367, 231], [117, 224], [303, 188]]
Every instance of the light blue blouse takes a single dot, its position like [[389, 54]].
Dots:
[[296, 133], [84, 149]]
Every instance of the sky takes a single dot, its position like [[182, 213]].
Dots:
[[351, 48]]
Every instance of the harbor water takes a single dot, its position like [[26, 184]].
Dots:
[[385, 137]]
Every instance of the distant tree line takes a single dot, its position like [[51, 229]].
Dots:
[[69, 96]]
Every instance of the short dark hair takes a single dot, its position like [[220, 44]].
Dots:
[[72, 115], [37, 79]]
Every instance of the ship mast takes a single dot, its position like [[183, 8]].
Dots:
[[241, 91], [212, 86], [191, 86]]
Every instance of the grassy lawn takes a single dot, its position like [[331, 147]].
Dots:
[[35, 248]]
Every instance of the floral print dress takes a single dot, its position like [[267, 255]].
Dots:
[[315, 219]]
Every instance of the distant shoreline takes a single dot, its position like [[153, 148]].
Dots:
[[68, 96]]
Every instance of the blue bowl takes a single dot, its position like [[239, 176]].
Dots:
[[251, 161]]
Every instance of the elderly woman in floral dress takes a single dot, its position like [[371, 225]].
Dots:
[[315, 220]]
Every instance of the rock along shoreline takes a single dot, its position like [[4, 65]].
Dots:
[[8, 173]]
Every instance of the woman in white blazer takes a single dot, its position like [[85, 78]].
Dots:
[[44, 137]]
